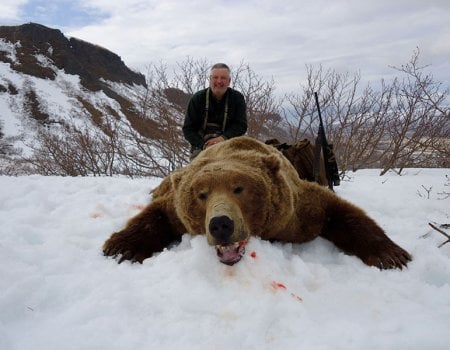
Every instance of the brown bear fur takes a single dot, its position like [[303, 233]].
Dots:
[[242, 187]]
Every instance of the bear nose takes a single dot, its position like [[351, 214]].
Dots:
[[221, 228]]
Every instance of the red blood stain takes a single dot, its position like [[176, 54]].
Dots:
[[253, 255], [277, 286]]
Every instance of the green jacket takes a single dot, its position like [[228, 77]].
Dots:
[[236, 123]]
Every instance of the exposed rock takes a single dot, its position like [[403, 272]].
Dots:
[[41, 46]]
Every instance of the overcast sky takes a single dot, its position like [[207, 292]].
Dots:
[[277, 38]]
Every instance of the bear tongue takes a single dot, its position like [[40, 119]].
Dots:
[[230, 254]]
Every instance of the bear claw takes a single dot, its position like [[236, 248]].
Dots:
[[389, 262]]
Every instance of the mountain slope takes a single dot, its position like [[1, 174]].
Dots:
[[35, 44], [46, 79]]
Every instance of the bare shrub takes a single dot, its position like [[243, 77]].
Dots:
[[190, 76], [74, 151], [263, 107], [353, 117], [166, 150], [419, 126], [403, 123], [399, 124]]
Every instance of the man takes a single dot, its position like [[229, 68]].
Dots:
[[216, 113]]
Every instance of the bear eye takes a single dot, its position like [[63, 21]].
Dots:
[[203, 196], [238, 189]]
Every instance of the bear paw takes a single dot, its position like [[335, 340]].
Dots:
[[392, 258], [118, 245]]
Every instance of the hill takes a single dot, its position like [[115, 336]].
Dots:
[[47, 78], [53, 87]]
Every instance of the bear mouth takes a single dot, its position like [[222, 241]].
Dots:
[[231, 253]]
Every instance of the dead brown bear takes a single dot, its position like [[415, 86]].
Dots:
[[242, 187]]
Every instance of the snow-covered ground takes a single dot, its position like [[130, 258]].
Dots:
[[57, 290]]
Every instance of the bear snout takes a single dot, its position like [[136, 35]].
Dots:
[[221, 228]]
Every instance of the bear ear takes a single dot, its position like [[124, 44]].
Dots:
[[272, 163]]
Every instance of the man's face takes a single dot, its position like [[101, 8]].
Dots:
[[219, 80]]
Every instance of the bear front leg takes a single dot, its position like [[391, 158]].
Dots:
[[148, 232], [353, 231]]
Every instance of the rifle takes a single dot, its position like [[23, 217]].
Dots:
[[331, 168]]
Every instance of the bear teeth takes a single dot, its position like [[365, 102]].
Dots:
[[228, 247], [230, 254]]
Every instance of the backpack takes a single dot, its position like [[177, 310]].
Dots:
[[302, 157]]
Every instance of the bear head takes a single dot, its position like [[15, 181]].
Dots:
[[229, 195]]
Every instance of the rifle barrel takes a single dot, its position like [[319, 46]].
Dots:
[[324, 138], [323, 143]]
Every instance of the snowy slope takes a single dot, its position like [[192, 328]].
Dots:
[[60, 98], [57, 291]]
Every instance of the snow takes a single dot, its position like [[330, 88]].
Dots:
[[9, 48], [59, 98], [59, 292]]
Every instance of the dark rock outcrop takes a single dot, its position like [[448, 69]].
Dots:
[[91, 62]]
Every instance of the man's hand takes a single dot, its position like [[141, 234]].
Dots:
[[213, 141]]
